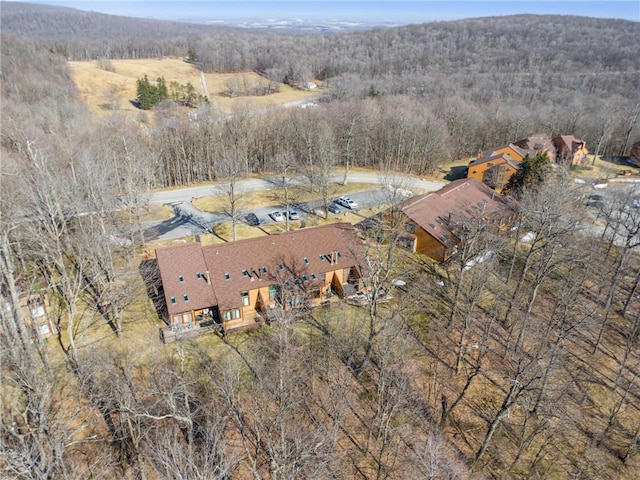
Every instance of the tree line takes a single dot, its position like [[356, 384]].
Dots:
[[523, 366]]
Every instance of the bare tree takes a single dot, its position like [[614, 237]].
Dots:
[[232, 168]]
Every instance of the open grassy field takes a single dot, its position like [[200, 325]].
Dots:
[[106, 92]]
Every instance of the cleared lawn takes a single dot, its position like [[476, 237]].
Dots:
[[106, 92], [260, 198]]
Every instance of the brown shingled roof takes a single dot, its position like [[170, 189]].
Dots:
[[246, 264], [305, 250], [501, 156], [439, 212], [179, 268], [493, 152]]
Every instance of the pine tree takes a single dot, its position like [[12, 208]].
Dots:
[[532, 172], [144, 94]]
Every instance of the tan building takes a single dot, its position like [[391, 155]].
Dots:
[[35, 311], [432, 223], [495, 167], [237, 285], [570, 150]]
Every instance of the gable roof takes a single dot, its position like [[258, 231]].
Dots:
[[286, 255], [439, 213], [537, 142], [249, 264], [504, 157], [569, 142], [186, 262]]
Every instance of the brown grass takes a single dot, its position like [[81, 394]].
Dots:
[[105, 92], [260, 198]]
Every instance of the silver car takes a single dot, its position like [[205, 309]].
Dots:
[[348, 203], [277, 216]]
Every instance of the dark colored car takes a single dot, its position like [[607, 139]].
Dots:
[[294, 215], [334, 208], [594, 200], [252, 219]]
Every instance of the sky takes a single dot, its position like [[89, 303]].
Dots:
[[400, 11]]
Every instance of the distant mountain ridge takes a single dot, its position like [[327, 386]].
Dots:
[[36, 20]]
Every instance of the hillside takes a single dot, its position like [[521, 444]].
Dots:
[[114, 90], [48, 21], [524, 366]]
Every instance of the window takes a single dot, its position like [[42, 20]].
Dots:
[[227, 276], [304, 278], [186, 297], [297, 281], [411, 227], [180, 278], [245, 298], [173, 300], [306, 260], [245, 273], [321, 257], [313, 275], [281, 266], [231, 314], [264, 269], [198, 275]]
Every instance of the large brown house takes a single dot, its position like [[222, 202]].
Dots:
[[236, 285], [432, 223], [495, 167], [569, 150]]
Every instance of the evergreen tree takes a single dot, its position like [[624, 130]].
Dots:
[[532, 172], [148, 95], [144, 95]]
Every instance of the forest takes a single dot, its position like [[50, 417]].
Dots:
[[526, 366]]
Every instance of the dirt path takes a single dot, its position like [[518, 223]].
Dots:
[[203, 80]]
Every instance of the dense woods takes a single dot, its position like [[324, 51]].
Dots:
[[525, 366]]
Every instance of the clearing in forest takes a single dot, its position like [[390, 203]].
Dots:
[[114, 89]]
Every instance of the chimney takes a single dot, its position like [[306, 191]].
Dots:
[[479, 154], [208, 277]]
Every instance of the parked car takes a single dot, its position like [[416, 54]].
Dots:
[[252, 219], [277, 216], [594, 200], [334, 208], [294, 215], [347, 202]]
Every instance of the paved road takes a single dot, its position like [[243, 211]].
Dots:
[[188, 220], [188, 193]]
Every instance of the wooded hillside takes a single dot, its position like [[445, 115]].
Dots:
[[524, 366]]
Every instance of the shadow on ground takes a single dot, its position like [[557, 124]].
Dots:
[[153, 284], [616, 160], [456, 173]]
